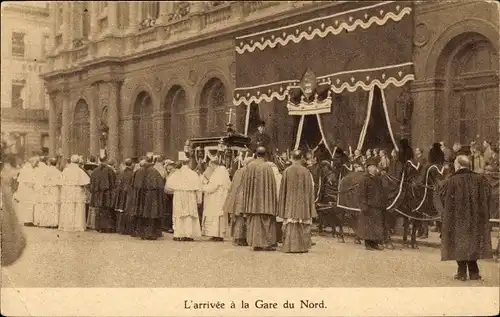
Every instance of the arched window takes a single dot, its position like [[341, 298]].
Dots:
[[213, 98], [143, 124], [175, 105], [80, 138]]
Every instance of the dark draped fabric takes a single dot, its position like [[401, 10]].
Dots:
[[466, 229], [123, 187], [380, 55], [146, 199], [102, 185]]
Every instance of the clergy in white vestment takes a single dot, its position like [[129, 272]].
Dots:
[[25, 194], [72, 213], [50, 201], [215, 189], [40, 187], [186, 186], [279, 221]]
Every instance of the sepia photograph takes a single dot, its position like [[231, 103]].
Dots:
[[295, 158]]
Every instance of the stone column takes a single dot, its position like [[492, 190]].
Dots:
[[66, 122], [53, 25], [133, 17], [424, 96], [94, 23], [112, 17], [159, 130], [128, 136], [196, 10], [94, 120], [113, 120], [52, 126], [67, 24]]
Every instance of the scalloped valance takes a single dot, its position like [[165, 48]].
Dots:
[[363, 17], [349, 46]]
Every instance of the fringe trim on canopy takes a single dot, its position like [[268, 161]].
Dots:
[[335, 24]]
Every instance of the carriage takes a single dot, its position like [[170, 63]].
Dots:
[[228, 149]]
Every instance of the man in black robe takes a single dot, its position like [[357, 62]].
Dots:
[[102, 185], [465, 232], [146, 203], [123, 188], [261, 138], [372, 202]]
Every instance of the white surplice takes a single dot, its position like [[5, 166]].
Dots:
[[213, 202], [25, 194], [277, 177], [49, 191], [186, 186], [73, 197]]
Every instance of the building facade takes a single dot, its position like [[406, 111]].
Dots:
[[24, 111], [136, 77]]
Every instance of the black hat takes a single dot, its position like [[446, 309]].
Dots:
[[371, 161], [261, 123]]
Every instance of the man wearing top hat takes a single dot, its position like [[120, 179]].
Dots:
[[372, 202], [261, 138]]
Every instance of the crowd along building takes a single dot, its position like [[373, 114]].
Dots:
[[137, 77]]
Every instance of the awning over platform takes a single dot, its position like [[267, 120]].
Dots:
[[348, 46]]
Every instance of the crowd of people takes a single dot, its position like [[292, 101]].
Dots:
[[261, 205], [155, 195]]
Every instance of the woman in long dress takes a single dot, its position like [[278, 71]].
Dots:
[[73, 197]]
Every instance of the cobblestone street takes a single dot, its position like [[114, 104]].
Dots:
[[89, 259]]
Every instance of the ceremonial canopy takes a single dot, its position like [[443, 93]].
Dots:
[[329, 70]]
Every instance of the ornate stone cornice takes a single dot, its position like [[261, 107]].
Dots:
[[228, 32], [26, 9], [428, 84]]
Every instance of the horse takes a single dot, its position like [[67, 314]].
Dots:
[[396, 189], [421, 202]]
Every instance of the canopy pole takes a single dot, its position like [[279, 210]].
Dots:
[[299, 133], [323, 138], [367, 120], [387, 119], [247, 119]]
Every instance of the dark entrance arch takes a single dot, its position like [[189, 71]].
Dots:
[[80, 129], [213, 101], [175, 121], [143, 124]]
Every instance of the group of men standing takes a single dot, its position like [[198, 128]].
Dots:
[[266, 208]]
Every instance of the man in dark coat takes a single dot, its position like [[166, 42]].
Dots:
[[123, 188], [147, 201], [372, 202], [102, 185], [465, 231], [296, 206], [261, 138], [260, 203]]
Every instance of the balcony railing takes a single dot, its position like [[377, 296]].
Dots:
[[218, 14], [25, 114], [80, 53]]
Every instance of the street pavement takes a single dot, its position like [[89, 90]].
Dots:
[[90, 259]]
